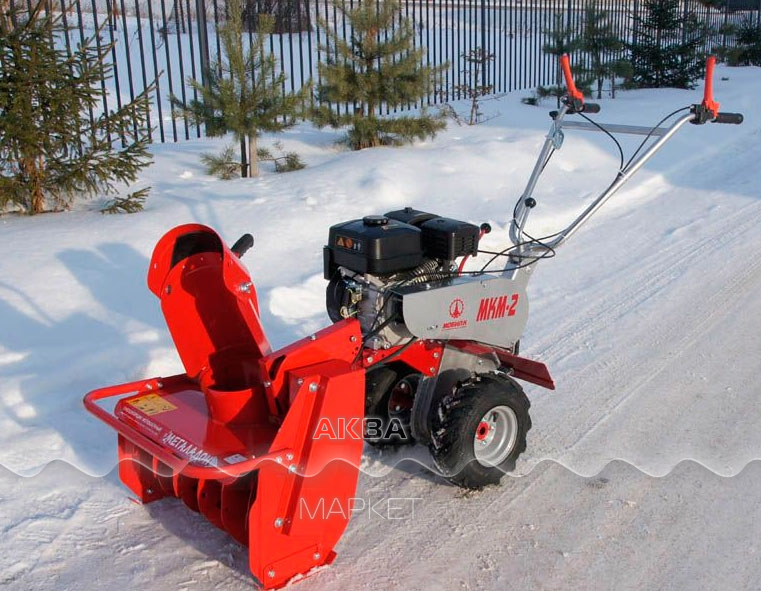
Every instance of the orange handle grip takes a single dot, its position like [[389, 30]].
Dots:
[[573, 92], [708, 102]]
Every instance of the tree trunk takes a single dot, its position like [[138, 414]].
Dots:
[[243, 161], [252, 156], [33, 174]]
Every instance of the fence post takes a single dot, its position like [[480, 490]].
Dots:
[[484, 49], [203, 42]]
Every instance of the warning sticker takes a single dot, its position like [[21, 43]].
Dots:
[[235, 459], [152, 404]]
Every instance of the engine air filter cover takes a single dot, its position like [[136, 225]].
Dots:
[[376, 244], [445, 238]]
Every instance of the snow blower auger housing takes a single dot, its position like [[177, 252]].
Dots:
[[265, 443]]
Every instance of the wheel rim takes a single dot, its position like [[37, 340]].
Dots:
[[495, 437], [401, 399]]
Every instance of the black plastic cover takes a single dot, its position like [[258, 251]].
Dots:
[[366, 246], [445, 238], [412, 216]]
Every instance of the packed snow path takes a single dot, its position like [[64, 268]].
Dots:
[[648, 320]]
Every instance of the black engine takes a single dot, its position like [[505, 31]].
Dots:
[[397, 241], [365, 259]]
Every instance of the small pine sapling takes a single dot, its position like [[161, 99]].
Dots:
[[667, 46], [563, 39], [600, 42], [243, 94], [474, 89], [377, 67]]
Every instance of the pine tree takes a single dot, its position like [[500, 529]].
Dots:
[[746, 49], [599, 41], [377, 67], [243, 94], [50, 150], [666, 46]]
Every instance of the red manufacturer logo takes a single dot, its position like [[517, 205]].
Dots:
[[497, 307], [456, 308]]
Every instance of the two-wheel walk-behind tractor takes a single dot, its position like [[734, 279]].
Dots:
[[419, 350]]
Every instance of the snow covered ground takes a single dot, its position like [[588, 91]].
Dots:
[[640, 469]]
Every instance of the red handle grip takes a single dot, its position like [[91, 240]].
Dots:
[[708, 102], [573, 92]]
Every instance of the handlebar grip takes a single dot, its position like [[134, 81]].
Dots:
[[242, 245], [591, 108], [733, 118]]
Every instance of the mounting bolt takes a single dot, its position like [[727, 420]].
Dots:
[[267, 384], [292, 468], [279, 522], [159, 385], [168, 289], [149, 387], [149, 491], [279, 460], [313, 387], [436, 355], [370, 359], [300, 381], [289, 457], [245, 287], [316, 556], [271, 574], [432, 370], [313, 337], [353, 339]]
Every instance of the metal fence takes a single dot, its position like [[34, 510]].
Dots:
[[166, 42]]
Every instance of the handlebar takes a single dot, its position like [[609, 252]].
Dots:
[[242, 245], [731, 118], [591, 108]]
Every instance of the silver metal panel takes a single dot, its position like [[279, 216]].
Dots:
[[487, 309]]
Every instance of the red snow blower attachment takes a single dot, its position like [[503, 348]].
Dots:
[[267, 444], [233, 438]]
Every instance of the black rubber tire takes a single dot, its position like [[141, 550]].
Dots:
[[455, 420], [379, 386]]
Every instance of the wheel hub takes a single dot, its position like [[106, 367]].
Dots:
[[495, 436]]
